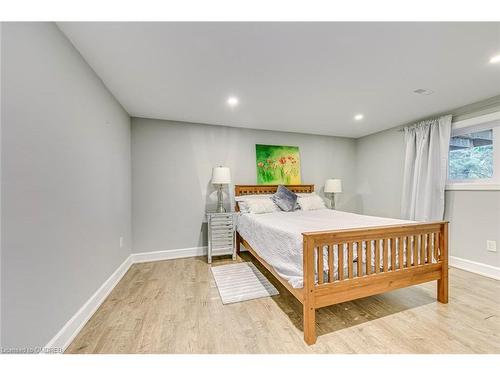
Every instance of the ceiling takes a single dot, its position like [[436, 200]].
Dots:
[[299, 77]]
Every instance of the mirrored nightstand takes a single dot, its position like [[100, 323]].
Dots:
[[221, 234]]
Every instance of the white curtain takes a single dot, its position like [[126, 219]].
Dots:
[[426, 168]]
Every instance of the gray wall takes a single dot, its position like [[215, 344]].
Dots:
[[172, 165], [65, 183], [474, 215], [474, 218], [380, 163]]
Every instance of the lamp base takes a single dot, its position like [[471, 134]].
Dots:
[[220, 203], [332, 201], [220, 210]]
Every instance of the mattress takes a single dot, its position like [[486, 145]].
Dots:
[[277, 236]]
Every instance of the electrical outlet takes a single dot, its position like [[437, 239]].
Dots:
[[491, 245], [121, 241]]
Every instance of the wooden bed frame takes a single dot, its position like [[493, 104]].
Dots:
[[425, 247]]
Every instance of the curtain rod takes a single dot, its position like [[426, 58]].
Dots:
[[422, 122], [487, 105], [418, 123]]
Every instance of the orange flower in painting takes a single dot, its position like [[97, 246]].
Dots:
[[260, 164], [282, 160]]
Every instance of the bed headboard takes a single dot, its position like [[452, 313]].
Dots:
[[269, 189]]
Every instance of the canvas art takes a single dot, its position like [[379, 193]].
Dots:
[[277, 165]]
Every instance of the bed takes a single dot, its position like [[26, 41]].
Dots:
[[325, 257]]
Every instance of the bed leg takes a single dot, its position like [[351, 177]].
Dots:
[[238, 243], [308, 301], [309, 325], [442, 284]]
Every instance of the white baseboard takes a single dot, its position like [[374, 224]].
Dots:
[[69, 331], [154, 256], [475, 267]]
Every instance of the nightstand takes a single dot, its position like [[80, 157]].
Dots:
[[221, 234]]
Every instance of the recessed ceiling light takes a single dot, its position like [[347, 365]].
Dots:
[[495, 59], [423, 92], [232, 101], [358, 117]]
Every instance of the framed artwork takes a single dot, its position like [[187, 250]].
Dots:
[[277, 165]]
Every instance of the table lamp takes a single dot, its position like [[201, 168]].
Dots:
[[333, 186], [220, 176]]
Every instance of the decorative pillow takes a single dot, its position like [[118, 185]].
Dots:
[[260, 206], [312, 202], [243, 199], [285, 199]]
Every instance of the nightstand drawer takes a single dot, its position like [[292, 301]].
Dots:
[[221, 225], [222, 235], [222, 217], [218, 223], [222, 245], [219, 230], [222, 251]]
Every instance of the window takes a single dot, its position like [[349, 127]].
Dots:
[[471, 156], [474, 162]]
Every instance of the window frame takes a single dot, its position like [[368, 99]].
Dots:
[[485, 122]]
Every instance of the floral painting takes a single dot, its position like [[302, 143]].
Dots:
[[277, 165]]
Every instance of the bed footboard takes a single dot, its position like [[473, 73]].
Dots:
[[344, 265]]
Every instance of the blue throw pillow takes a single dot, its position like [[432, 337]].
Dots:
[[285, 199]]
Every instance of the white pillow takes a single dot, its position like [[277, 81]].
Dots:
[[312, 202], [243, 198], [259, 206], [243, 206], [306, 194]]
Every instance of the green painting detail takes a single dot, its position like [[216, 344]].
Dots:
[[277, 165]]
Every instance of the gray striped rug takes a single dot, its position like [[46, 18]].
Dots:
[[241, 282]]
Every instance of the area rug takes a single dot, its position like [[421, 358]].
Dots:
[[239, 282]]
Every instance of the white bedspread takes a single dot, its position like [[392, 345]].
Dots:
[[277, 236]]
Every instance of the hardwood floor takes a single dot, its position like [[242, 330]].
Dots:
[[174, 307]]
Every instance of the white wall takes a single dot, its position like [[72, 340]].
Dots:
[[65, 183], [171, 170], [474, 215]]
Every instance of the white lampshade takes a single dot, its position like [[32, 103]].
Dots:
[[333, 186], [221, 175]]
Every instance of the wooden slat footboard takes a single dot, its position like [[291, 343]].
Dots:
[[369, 261]]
